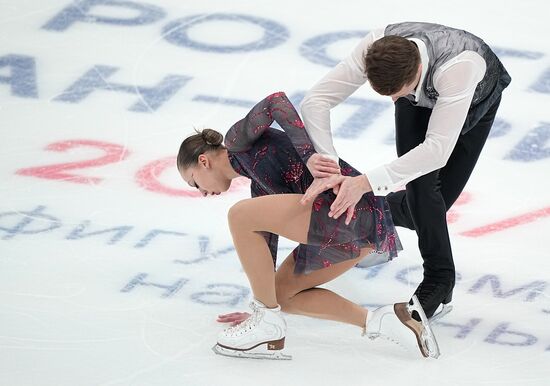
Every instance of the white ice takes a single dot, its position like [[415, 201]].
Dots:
[[72, 309]]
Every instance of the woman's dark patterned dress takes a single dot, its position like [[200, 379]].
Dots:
[[275, 162]]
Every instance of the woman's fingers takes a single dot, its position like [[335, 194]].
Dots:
[[324, 171], [308, 196], [329, 164], [320, 185], [312, 192], [304, 200], [322, 174], [329, 169], [229, 315], [233, 317], [320, 163]]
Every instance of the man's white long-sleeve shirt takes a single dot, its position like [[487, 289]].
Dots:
[[455, 82]]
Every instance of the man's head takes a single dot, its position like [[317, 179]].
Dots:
[[393, 66]]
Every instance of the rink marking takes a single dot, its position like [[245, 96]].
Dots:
[[508, 223], [148, 178], [113, 153]]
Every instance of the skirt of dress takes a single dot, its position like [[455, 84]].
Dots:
[[331, 241]]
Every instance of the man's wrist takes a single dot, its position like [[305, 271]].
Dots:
[[365, 183]]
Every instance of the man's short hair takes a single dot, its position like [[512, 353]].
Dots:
[[391, 62]]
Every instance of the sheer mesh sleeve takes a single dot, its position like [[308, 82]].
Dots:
[[276, 107]]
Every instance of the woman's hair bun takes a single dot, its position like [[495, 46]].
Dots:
[[212, 137]]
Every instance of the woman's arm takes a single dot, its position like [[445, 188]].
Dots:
[[276, 107]]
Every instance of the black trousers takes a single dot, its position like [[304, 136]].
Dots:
[[423, 205]]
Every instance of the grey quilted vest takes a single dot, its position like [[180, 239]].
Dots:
[[444, 43]]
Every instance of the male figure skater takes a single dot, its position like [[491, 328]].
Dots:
[[446, 84]]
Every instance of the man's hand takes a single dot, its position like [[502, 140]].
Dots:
[[319, 185], [320, 166], [350, 192]]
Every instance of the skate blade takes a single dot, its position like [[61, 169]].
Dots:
[[259, 352], [429, 346], [445, 309]]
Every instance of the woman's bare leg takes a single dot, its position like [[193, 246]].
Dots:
[[297, 293], [280, 214], [285, 216]]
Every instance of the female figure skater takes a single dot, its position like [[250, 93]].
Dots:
[[276, 163]]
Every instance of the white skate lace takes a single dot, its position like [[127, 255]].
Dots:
[[250, 322]]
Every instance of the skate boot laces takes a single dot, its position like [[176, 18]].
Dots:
[[250, 323]]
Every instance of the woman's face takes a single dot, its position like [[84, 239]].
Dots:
[[206, 176]]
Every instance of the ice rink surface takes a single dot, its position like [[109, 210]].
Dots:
[[112, 271]]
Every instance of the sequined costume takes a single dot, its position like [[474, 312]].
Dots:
[[275, 162]]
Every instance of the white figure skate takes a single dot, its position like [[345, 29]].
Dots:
[[261, 336], [395, 323], [441, 311]]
